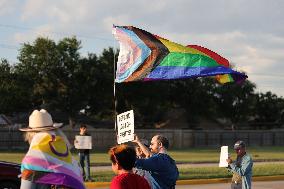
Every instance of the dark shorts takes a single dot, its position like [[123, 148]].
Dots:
[[236, 186]]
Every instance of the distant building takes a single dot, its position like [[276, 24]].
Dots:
[[4, 121]]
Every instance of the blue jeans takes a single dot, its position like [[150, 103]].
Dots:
[[85, 158]]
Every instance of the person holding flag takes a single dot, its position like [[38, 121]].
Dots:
[[160, 165]]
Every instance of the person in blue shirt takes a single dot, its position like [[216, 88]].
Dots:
[[140, 155], [160, 165], [241, 168]]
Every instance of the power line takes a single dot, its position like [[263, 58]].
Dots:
[[6, 46], [54, 32]]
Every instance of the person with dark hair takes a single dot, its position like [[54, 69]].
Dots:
[[84, 155], [123, 158], [140, 155], [160, 165], [241, 168]]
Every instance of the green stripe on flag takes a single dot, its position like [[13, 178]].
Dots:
[[188, 60]]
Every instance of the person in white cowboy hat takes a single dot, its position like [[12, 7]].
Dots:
[[48, 162]]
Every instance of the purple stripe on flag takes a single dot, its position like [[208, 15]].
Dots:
[[61, 180], [178, 72], [50, 166]]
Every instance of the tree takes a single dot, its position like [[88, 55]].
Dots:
[[14, 92], [235, 102], [5, 86], [268, 110], [59, 80], [195, 97], [102, 104], [147, 99]]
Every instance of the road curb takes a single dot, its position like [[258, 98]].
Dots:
[[203, 181], [97, 184], [268, 178], [197, 181]]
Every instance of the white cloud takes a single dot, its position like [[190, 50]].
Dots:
[[64, 11], [33, 9], [30, 36], [119, 20], [69, 11], [7, 6]]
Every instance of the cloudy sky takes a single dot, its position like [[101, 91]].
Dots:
[[249, 33]]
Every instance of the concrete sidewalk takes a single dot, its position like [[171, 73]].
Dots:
[[107, 167], [196, 181]]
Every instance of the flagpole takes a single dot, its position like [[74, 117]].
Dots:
[[114, 91], [115, 104]]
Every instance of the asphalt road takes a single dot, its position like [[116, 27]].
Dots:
[[255, 185]]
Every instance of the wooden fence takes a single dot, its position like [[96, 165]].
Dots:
[[12, 139]]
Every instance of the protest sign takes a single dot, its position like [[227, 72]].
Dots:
[[83, 142], [125, 127], [223, 156]]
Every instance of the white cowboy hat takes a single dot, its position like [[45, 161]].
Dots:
[[41, 121]]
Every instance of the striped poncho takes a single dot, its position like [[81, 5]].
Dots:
[[49, 155]]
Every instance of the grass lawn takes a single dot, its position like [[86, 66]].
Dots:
[[216, 172], [200, 155], [205, 172]]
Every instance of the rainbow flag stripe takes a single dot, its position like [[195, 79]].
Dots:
[[144, 56]]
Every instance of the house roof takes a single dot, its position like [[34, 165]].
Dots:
[[4, 120]]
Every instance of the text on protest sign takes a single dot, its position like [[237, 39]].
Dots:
[[125, 127], [83, 142]]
